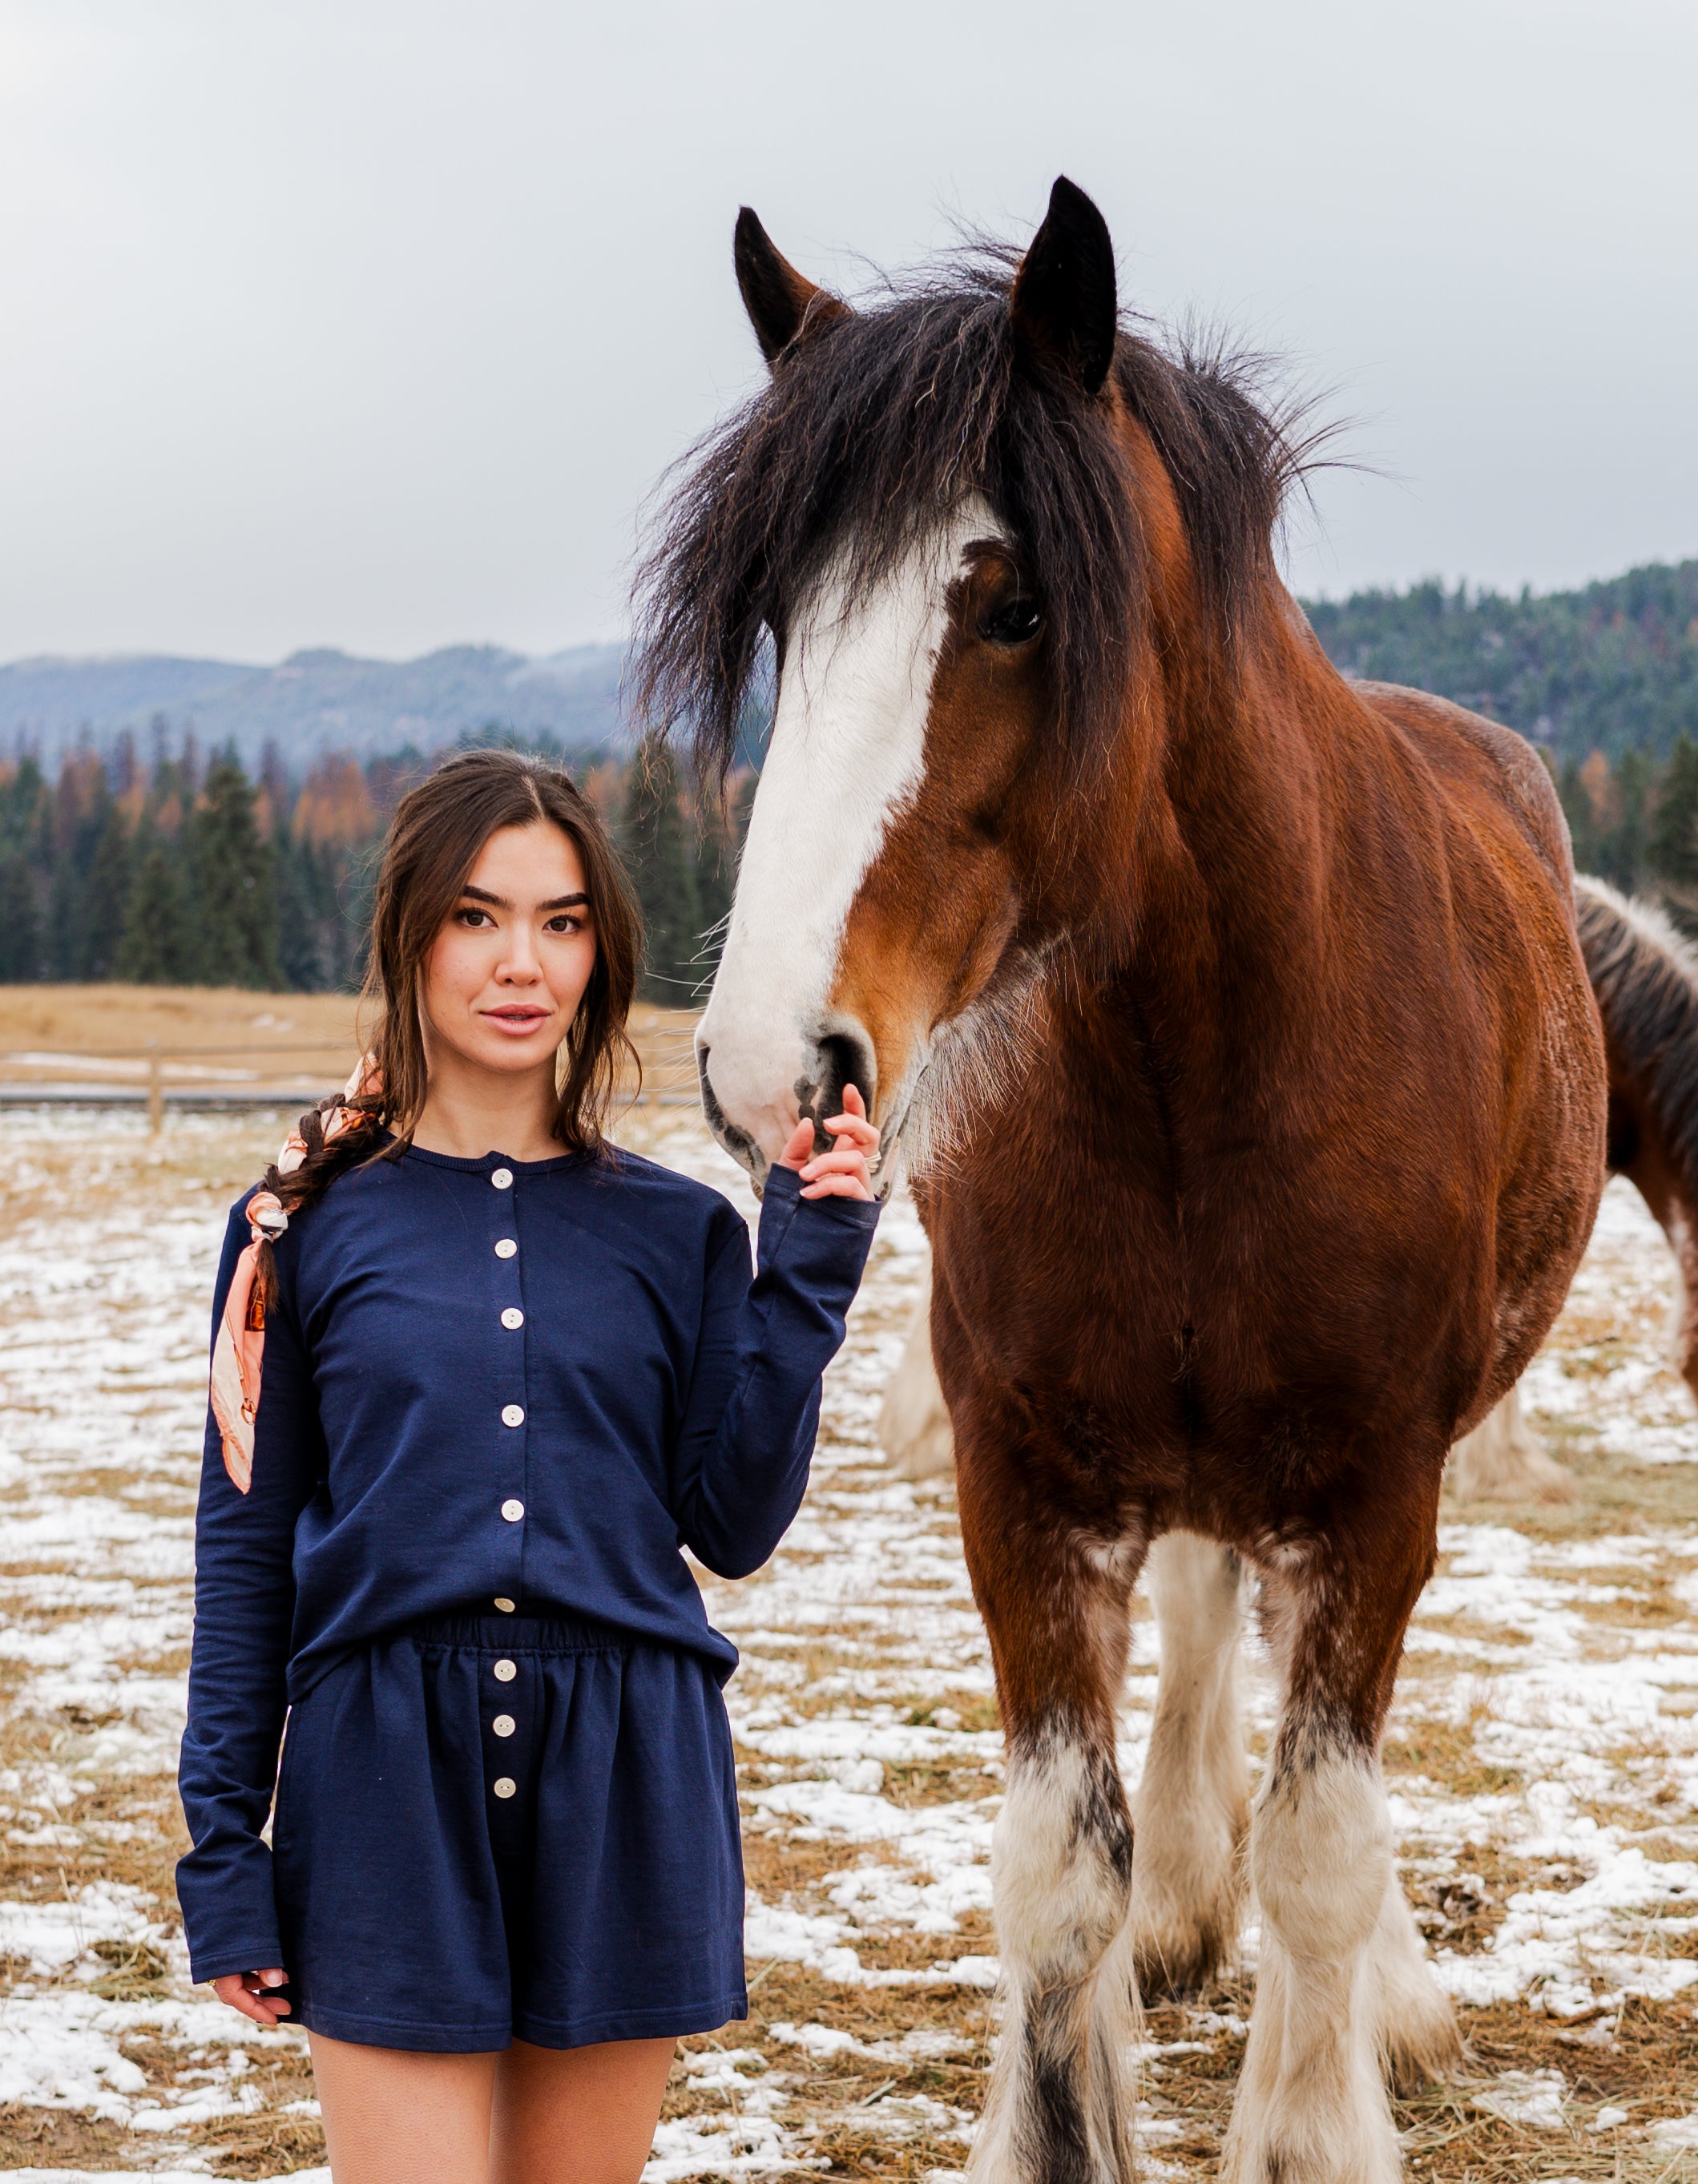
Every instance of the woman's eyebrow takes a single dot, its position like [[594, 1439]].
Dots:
[[500, 901]]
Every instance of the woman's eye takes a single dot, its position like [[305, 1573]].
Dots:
[[1016, 621], [565, 922], [474, 918]]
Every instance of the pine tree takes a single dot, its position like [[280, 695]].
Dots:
[[20, 921], [1671, 851], [69, 905], [159, 942], [659, 849], [721, 824], [306, 905], [106, 900], [236, 895]]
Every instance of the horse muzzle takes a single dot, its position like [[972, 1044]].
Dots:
[[753, 1103]]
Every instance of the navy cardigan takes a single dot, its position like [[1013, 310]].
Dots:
[[492, 1381]]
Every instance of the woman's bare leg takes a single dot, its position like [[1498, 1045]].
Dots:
[[395, 2118], [576, 2115]]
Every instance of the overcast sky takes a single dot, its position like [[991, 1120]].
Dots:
[[371, 325]]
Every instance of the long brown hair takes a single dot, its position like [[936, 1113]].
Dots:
[[434, 840]]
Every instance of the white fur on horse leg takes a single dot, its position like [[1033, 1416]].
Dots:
[[1683, 1304], [1415, 2023], [1192, 1808], [914, 1425], [1060, 1860], [1501, 1461], [1311, 2102]]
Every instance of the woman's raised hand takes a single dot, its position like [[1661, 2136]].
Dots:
[[246, 1991], [845, 1171]]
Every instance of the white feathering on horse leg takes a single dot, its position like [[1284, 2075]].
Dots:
[[1415, 2025], [1501, 1461], [1070, 2009], [1311, 2100], [1191, 1810]]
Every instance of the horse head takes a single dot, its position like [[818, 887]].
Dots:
[[962, 517]]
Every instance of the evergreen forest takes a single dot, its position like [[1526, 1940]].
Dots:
[[187, 870]]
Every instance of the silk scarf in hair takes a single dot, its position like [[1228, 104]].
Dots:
[[238, 1350]]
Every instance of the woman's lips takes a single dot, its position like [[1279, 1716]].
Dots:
[[516, 1020]]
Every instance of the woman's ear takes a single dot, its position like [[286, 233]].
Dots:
[[782, 305]]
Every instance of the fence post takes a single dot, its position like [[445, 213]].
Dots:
[[156, 1089]]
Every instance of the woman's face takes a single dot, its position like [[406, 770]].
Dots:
[[505, 976]]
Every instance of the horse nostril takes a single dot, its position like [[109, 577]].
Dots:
[[845, 1058]]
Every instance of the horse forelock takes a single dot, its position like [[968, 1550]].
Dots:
[[874, 432]]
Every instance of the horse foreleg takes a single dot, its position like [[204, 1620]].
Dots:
[[1341, 1996], [1060, 2104], [1192, 1808]]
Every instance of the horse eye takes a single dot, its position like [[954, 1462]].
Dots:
[[1016, 621]]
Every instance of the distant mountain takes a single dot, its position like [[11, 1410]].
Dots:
[[316, 701], [1612, 665]]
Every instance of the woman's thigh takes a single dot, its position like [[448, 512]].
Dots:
[[575, 2115], [394, 2117]]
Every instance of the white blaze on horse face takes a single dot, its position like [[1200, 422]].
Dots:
[[847, 754]]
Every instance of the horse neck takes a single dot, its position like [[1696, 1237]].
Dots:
[[1236, 801]]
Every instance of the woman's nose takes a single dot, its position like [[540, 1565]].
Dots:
[[521, 960]]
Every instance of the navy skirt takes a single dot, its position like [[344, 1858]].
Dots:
[[499, 1828]]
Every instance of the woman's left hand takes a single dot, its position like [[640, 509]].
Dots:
[[845, 1171]]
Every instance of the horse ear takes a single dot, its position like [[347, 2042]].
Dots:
[[780, 302], [1064, 293]]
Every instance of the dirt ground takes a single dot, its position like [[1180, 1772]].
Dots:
[[1542, 1762]]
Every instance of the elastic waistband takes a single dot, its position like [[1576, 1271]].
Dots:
[[522, 1633]]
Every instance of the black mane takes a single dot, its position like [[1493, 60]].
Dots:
[[1646, 981], [879, 422]]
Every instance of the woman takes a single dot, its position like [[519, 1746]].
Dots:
[[509, 1372]]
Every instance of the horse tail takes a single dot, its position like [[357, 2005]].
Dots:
[[1645, 975]]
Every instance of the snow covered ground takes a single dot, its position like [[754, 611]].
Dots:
[[1543, 1759]]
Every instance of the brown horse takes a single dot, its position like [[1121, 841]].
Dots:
[[1644, 978], [1241, 1010]]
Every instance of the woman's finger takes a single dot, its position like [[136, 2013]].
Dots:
[[245, 1993], [839, 1186], [852, 1126], [800, 1145], [842, 1159]]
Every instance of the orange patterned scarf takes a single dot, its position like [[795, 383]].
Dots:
[[239, 1350]]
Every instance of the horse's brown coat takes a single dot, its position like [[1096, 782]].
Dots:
[[1311, 1142]]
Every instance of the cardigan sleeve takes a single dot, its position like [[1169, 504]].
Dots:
[[244, 1609], [747, 1439]]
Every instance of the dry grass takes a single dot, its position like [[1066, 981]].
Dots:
[[263, 2144], [82, 1020], [1444, 1752], [59, 2138]]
